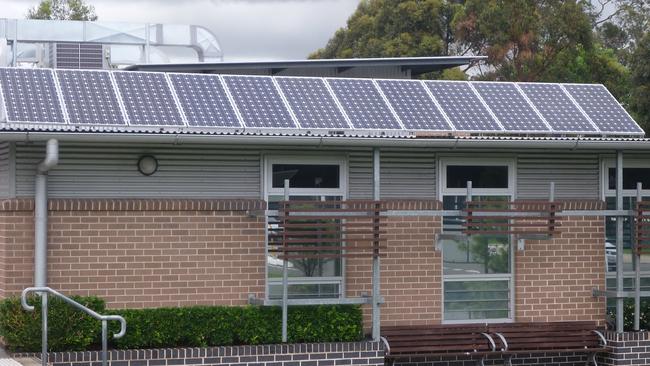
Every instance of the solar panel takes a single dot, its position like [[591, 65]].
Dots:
[[556, 107], [259, 102], [413, 105], [30, 96], [89, 97], [463, 107], [363, 104], [204, 100], [510, 107], [602, 108], [311, 102], [148, 99]]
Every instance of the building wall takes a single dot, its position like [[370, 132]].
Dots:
[[554, 278], [6, 169], [142, 253], [575, 175]]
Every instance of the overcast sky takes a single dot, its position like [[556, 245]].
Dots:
[[247, 29]]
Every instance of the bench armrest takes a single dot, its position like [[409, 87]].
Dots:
[[503, 340], [492, 344], [385, 342], [601, 336]]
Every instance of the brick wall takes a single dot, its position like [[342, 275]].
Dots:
[[629, 348], [312, 354], [142, 253], [554, 278], [411, 270]]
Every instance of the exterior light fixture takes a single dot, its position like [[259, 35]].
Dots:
[[147, 165]]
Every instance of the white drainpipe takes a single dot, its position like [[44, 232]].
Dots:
[[40, 212]]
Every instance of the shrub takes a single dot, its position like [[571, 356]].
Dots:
[[628, 314], [68, 328], [196, 326]]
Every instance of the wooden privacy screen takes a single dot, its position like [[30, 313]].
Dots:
[[642, 231], [520, 218], [328, 230]]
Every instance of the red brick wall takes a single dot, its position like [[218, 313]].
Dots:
[[143, 253], [554, 278]]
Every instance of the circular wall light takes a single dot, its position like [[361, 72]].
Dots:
[[147, 165]]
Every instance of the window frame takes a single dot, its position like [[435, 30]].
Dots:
[[510, 191], [268, 190]]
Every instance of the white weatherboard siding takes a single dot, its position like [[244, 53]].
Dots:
[[110, 171], [6, 170], [576, 176]]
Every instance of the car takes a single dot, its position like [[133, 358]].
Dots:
[[610, 255]]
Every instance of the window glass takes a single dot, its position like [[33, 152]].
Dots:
[[305, 290], [628, 237], [306, 175], [475, 300], [481, 176], [630, 178]]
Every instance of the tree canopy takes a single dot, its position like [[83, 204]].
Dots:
[[62, 10], [525, 40]]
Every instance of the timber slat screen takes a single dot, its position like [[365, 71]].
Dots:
[[642, 231], [328, 230], [520, 218]]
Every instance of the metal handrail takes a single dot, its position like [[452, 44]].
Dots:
[[103, 318]]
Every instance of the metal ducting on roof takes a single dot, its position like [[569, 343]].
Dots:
[[143, 35]]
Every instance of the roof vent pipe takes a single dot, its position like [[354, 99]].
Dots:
[[40, 212]]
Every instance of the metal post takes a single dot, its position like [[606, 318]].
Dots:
[[637, 270], [469, 192], [551, 192], [619, 241], [44, 330], [376, 265], [285, 275], [104, 343]]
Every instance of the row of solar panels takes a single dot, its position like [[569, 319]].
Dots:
[[121, 98]]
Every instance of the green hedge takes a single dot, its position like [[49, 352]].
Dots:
[[628, 314], [197, 326]]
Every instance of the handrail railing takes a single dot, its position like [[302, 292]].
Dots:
[[103, 318]]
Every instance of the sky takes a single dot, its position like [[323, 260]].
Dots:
[[248, 30]]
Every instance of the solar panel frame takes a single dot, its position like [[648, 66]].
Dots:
[[242, 114], [56, 98], [526, 100], [126, 107], [179, 105], [501, 130], [430, 97], [228, 100], [111, 80], [330, 93], [554, 130], [382, 97], [286, 102], [604, 132]]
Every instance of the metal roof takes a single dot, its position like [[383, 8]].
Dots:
[[414, 65]]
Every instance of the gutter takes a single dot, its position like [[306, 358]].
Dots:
[[316, 141], [41, 212]]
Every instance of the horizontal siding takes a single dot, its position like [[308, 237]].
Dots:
[[6, 170], [110, 171], [408, 174], [360, 175], [575, 176]]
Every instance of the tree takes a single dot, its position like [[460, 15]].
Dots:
[[394, 28], [62, 10], [640, 81]]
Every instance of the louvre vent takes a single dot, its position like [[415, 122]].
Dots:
[[76, 56]]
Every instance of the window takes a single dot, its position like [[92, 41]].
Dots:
[[317, 179], [634, 171], [477, 270]]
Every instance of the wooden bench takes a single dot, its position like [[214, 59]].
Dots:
[[471, 340], [562, 337], [506, 340]]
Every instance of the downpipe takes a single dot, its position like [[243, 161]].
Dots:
[[40, 212]]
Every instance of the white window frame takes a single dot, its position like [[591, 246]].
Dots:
[[268, 190], [510, 191], [606, 164]]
